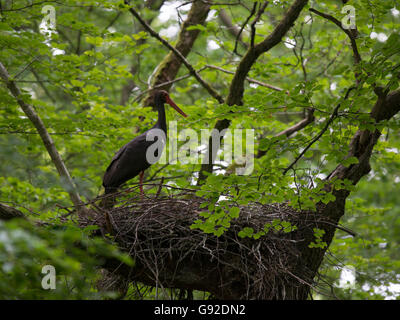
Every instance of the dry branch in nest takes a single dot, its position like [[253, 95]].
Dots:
[[168, 253]]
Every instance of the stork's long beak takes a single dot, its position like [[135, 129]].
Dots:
[[173, 105]]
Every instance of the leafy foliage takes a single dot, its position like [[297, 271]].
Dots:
[[75, 256], [74, 76]]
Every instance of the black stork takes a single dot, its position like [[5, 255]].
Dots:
[[131, 160]]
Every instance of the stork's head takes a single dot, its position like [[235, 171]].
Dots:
[[162, 96]]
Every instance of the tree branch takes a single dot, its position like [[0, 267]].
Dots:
[[309, 118], [167, 83], [361, 147], [363, 141], [320, 134], [251, 80], [233, 30], [7, 212], [348, 32], [176, 51], [236, 88], [295, 128], [46, 138], [154, 5], [239, 34], [261, 10]]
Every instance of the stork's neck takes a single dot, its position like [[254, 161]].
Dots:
[[162, 122]]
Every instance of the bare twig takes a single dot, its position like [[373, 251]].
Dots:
[[239, 34], [161, 85], [261, 10], [320, 134], [160, 187], [30, 5], [26, 67], [42, 85], [251, 80]]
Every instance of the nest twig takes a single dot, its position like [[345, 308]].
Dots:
[[156, 231]]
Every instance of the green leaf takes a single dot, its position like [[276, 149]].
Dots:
[[349, 161], [77, 83], [234, 212]]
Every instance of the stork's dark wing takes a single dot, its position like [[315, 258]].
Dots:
[[117, 156], [127, 163]]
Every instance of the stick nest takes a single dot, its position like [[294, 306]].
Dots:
[[156, 231]]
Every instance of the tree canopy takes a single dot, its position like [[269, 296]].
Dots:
[[316, 83]]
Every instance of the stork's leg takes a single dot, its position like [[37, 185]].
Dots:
[[141, 175]]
